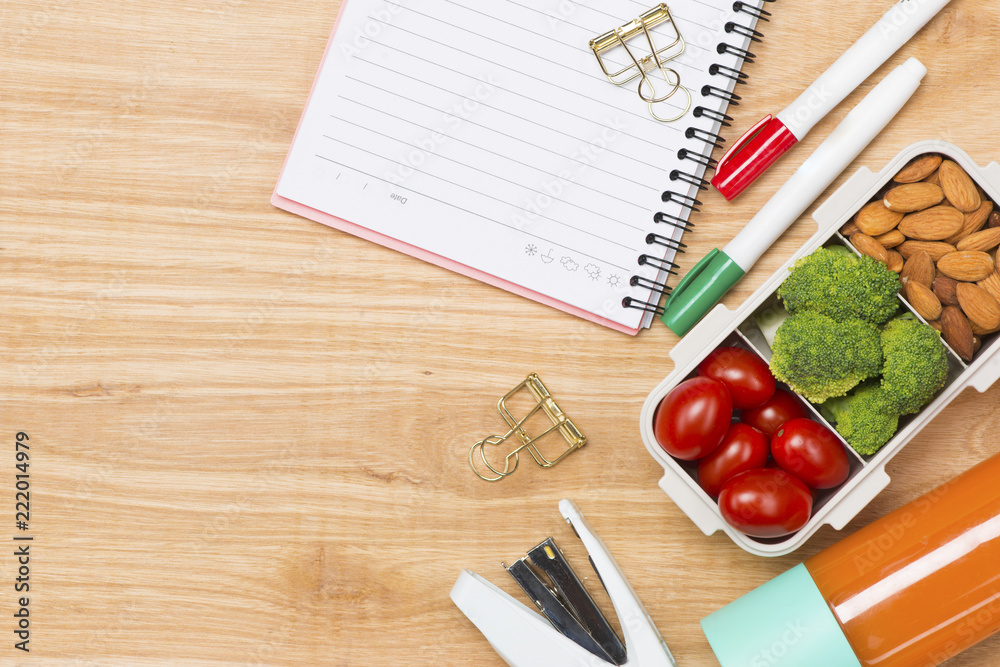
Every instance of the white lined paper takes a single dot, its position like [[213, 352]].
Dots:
[[487, 135]]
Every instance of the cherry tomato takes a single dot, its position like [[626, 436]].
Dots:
[[745, 375], [743, 448], [811, 452], [692, 419], [775, 411], [766, 503]]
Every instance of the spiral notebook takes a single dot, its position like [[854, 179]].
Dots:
[[484, 137]]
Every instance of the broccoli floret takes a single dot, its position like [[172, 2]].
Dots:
[[841, 285], [821, 358], [915, 367], [865, 418], [916, 364], [833, 407], [769, 319]]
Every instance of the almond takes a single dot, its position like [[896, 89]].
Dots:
[[987, 239], [979, 306], [991, 284], [932, 224], [936, 249], [849, 228], [994, 219], [918, 169], [891, 239], [977, 342], [923, 301], [895, 262], [979, 331], [957, 332], [913, 197], [934, 178], [919, 268], [973, 222], [936, 325], [866, 245], [968, 265], [958, 187], [875, 219], [944, 288]]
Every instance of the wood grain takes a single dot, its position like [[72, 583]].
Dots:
[[249, 431]]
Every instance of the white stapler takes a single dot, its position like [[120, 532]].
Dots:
[[573, 631]]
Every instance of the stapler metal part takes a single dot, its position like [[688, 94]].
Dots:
[[565, 601], [525, 639]]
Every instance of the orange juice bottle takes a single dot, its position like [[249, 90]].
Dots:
[[912, 589]]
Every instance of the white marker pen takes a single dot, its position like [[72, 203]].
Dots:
[[771, 137], [712, 277]]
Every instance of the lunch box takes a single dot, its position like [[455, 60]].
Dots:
[[724, 327]]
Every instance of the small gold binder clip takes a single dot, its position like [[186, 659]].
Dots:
[[651, 60], [543, 402]]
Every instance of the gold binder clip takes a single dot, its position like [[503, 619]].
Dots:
[[653, 60], [560, 422]]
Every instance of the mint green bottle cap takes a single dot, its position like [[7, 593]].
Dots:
[[784, 623], [699, 290]]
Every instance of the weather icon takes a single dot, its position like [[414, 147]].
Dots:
[[569, 264], [531, 250], [614, 280], [594, 271]]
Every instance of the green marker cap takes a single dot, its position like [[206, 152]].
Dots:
[[699, 290]]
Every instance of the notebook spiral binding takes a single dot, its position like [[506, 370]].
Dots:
[[699, 158]]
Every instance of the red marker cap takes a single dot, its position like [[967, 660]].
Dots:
[[750, 157]]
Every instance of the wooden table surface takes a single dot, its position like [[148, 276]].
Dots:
[[249, 431]]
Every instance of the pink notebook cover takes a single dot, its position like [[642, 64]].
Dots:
[[389, 242]]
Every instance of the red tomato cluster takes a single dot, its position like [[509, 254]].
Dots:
[[694, 422]]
